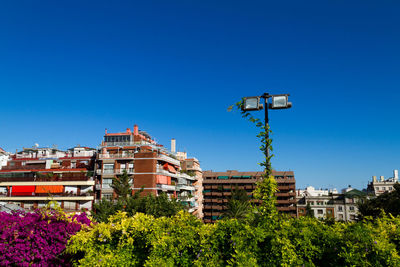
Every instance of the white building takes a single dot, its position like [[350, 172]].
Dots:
[[328, 203], [378, 187], [3, 157]]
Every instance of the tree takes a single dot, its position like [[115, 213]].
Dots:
[[157, 206], [387, 202], [309, 211], [122, 186], [238, 206]]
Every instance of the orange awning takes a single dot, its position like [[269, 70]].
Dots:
[[49, 189], [169, 168]]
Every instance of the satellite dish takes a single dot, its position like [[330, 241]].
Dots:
[[36, 145]]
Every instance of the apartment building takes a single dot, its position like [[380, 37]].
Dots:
[[191, 166], [378, 187], [329, 203], [218, 187], [3, 157], [35, 176], [152, 167]]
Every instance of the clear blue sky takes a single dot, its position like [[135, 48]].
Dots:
[[70, 69]]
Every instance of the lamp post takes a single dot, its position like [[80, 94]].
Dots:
[[277, 102]]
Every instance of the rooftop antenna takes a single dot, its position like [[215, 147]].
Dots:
[[36, 145]]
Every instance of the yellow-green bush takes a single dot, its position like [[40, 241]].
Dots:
[[183, 240]]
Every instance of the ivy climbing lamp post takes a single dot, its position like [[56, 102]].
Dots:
[[252, 103]]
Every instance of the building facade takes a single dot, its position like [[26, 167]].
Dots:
[[378, 187], [218, 187], [152, 167], [326, 203], [3, 158], [35, 176]]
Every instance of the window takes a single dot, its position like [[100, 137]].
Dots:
[[340, 208], [383, 188], [130, 165], [351, 208], [390, 188], [69, 205], [108, 168], [107, 183], [320, 211]]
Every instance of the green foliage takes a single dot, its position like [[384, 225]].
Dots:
[[157, 206], [183, 240], [387, 202], [238, 206], [122, 186], [309, 211]]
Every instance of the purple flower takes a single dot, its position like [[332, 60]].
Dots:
[[376, 242], [37, 238]]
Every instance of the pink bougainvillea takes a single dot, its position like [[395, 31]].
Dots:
[[37, 238]]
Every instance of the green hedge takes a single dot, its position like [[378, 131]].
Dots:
[[183, 240]]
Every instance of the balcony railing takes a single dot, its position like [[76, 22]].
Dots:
[[108, 171], [116, 156], [194, 168], [185, 187], [140, 143], [165, 187], [121, 171], [169, 159]]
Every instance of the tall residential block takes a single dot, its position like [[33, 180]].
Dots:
[[151, 166], [218, 187]]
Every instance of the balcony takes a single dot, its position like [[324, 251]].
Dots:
[[188, 177], [287, 187], [118, 171], [292, 208], [121, 171], [59, 198], [185, 187], [165, 187], [47, 183], [194, 168], [289, 194], [169, 159], [117, 156]]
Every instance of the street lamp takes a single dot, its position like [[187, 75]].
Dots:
[[277, 102]]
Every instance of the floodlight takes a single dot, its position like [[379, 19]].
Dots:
[[280, 102], [252, 103]]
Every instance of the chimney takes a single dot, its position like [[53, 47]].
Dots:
[[173, 145], [106, 130], [135, 130], [396, 175], [128, 130], [382, 178], [374, 179]]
